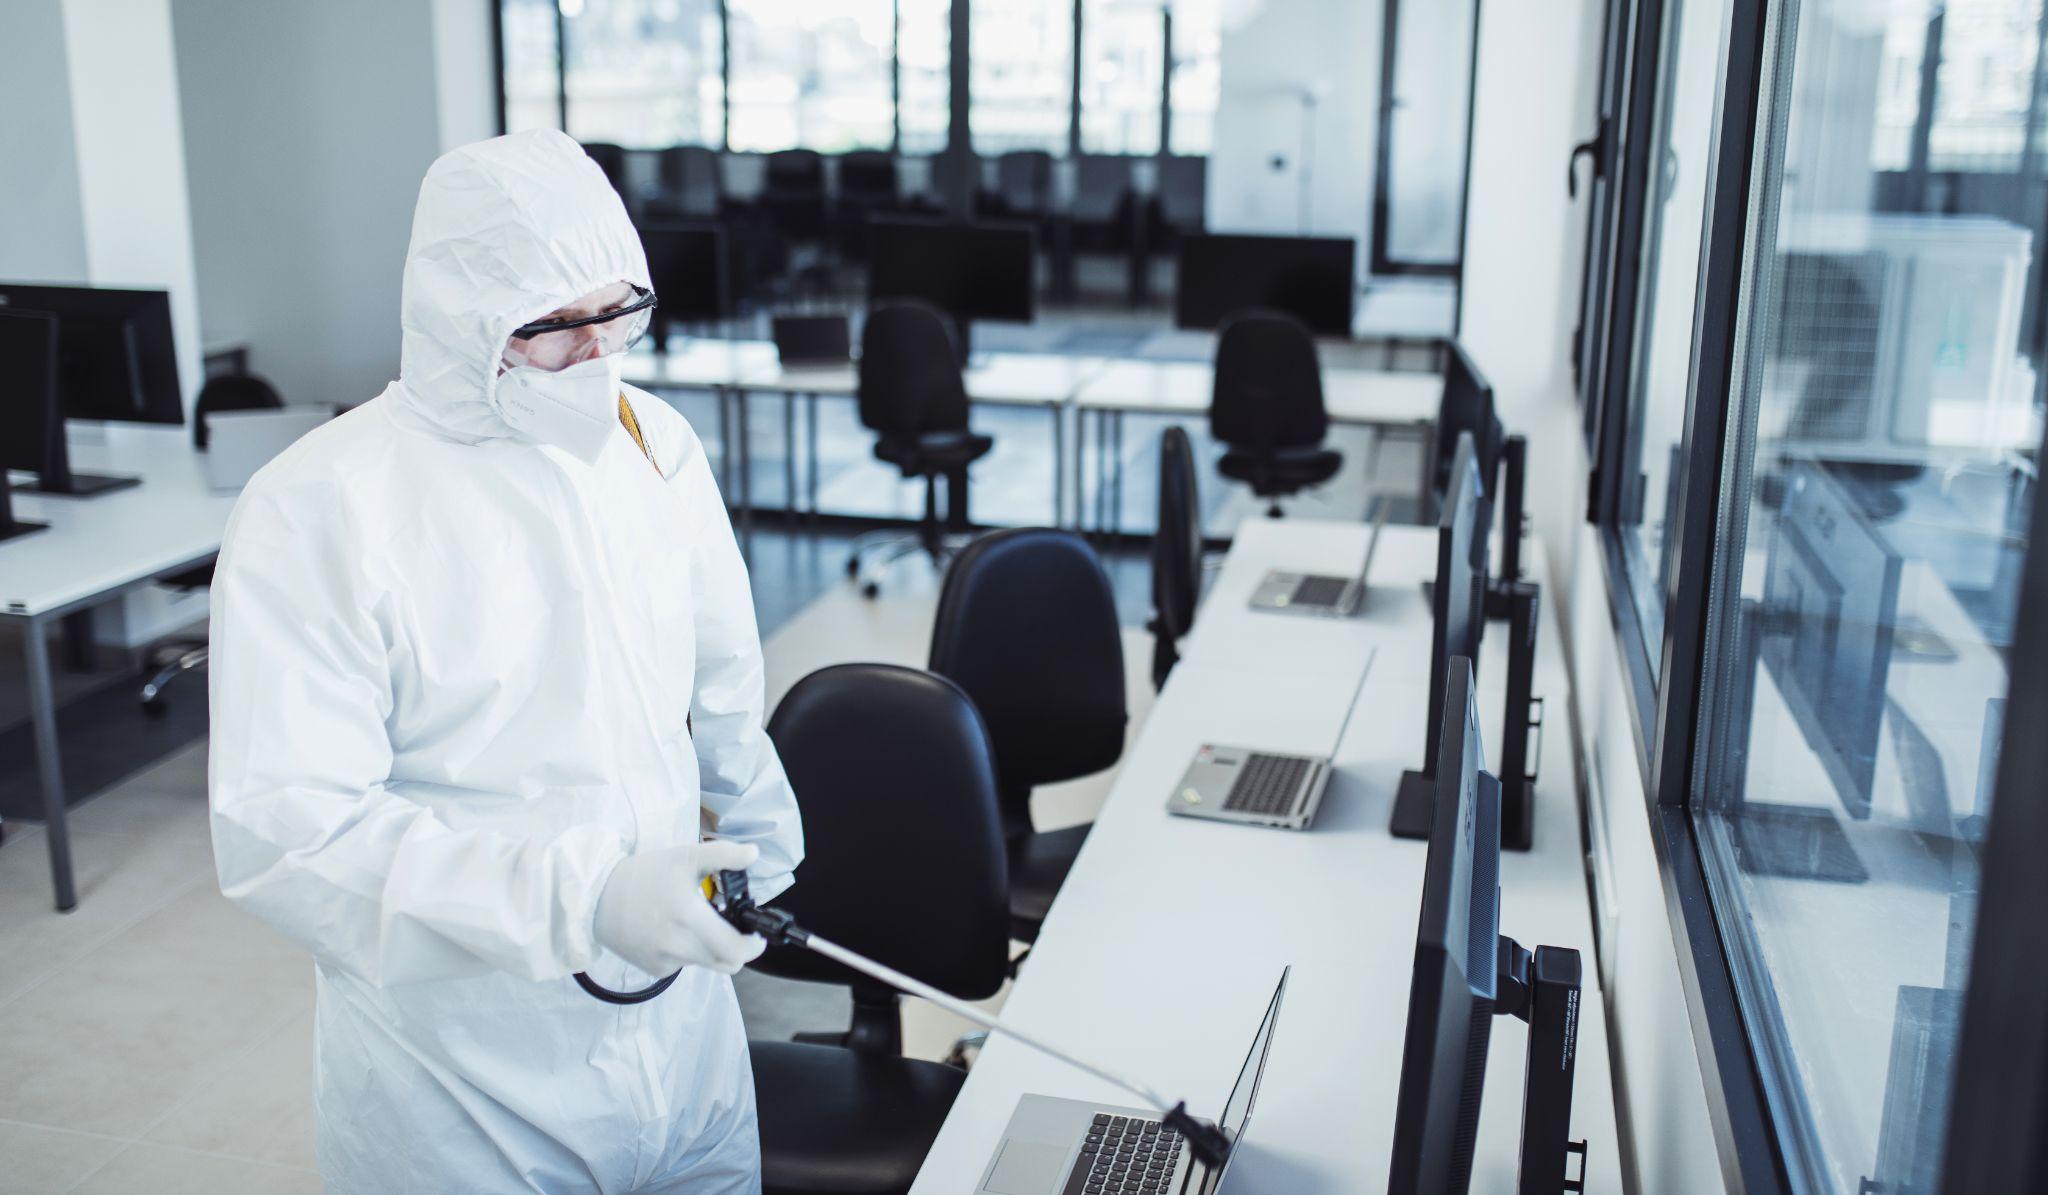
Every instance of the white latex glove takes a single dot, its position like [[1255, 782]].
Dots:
[[653, 914]]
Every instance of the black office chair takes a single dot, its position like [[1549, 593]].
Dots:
[[1176, 552], [1027, 625], [1023, 186], [692, 188], [867, 186], [1267, 408], [904, 863], [793, 193], [1102, 208], [1182, 198], [168, 659], [911, 395], [612, 160]]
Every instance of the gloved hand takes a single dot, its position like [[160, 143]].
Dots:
[[653, 914]]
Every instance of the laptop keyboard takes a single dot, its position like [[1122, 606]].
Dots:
[[1319, 591], [1124, 1155], [1267, 784]]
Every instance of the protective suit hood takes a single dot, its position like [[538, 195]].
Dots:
[[506, 230]]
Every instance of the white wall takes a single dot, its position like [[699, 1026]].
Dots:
[[307, 130], [1276, 54], [42, 237], [1538, 71]]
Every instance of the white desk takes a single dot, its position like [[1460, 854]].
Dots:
[[1159, 954], [93, 550], [1356, 397]]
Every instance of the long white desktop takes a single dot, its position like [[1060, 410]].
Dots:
[[1167, 938]]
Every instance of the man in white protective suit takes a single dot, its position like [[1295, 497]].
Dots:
[[485, 673]]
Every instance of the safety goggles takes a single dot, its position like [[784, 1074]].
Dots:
[[552, 345]]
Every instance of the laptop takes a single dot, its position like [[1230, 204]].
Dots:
[[812, 340], [1258, 788], [240, 442], [1320, 597], [1054, 1146]]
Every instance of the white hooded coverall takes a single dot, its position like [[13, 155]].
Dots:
[[455, 675]]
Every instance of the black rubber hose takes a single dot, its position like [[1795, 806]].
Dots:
[[611, 997]]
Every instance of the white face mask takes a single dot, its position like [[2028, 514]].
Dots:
[[574, 409]]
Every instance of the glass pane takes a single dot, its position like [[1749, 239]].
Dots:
[[1021, 69], [1122, 63], [1884, 431], [811, 76], [642, 73], [924, 44], [1197, 74], [531, 78], [1674, 216], [1426, 130]]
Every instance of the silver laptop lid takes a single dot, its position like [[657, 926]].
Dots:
[[1237, 1110], [1372, 545]]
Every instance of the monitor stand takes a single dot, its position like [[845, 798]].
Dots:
[[1414, 806], [76, 485], [11, 527], [1520, 714], [1542, 989]]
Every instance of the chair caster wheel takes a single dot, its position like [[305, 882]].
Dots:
[[153, 706], [853, 566], [870, 590]]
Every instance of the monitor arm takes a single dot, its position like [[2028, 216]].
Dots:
[[1543, 989]]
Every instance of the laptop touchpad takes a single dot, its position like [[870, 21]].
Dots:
[[1027, 1168]]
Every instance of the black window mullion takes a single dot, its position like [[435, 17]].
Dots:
[[1165, 80], [1074, 90], [561, 67], [724, 78]]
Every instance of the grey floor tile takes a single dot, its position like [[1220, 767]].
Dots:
[[34, 1160], [122, 878], [166, 1171], [169, 800], [112, 1041], [258, 1106]]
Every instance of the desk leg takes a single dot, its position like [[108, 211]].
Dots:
[[1424, 485], [789, 504], [811, 455], [1059, 467], [42, 705], [1116, 492]]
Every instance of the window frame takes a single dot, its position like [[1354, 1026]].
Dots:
[[2002, 1058]]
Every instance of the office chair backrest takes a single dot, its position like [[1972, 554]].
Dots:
[[867, 177], [1176, 550], [1182, 186], [612, 160], [1027, 625], [796, 173], [1100, 184], [1024, 181], [690, 180], [910, 371], [903, 849], [233, 392], [1269, 388]]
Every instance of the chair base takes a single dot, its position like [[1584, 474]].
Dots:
[[170, 661]]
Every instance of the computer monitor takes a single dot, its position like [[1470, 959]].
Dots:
[[984, 270], [1309, 278], [1465, 974], [1451, 991], [1458, 598], [115, 357], [32, 408], [1831, 599], [687, 264]]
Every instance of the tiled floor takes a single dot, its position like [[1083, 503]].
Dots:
[[158, 1038]]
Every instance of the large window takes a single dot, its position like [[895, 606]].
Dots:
[[814, 75], [924, 81], [532, 75], [1880, 464], [1674, 212], [642, 73], [1123, 61], [1197, 76], [1020, 75]]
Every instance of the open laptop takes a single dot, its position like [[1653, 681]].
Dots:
[[812, 340], [1321, 597], [1259, 788], [1057, 1146]]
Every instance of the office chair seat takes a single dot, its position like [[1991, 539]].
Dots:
[[840, 1122], [933, 452], [1039, 864], [1287, 471]]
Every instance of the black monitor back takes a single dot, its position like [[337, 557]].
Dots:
[[31, 420], [1459, 596], [1309, 278], [1451, 992], [1831, 600], [1467, 406], [687, 264], [975, 271], [115, 356]]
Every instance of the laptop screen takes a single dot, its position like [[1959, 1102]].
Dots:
[[1237, 1110]]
